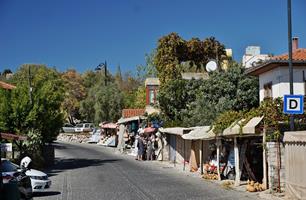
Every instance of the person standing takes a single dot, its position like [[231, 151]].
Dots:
[[150, 149], [140, 145]]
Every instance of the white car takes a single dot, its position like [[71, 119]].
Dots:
[[84, 127], [39, 180]]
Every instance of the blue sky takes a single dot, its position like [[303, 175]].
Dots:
[[83, 33]]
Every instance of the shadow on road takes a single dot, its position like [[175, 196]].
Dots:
[[44, 194], [76, 163]]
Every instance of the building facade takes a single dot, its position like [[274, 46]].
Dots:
[[274, 74]]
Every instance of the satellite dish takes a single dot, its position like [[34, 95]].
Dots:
[[211, 66]]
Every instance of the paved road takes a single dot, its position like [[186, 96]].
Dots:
[[92, 172]]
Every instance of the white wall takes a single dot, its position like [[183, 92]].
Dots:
[[280, 81]]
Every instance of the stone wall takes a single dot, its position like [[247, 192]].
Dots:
[[273, 159], [74, 137]]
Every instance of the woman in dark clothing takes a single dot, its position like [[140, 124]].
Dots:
[[140, 145]]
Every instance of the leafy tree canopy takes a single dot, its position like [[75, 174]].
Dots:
[[40, 109], [74, 93], [223, 91], [103, 103], [173, 52]]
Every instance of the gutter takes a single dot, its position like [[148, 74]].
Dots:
[[251, 70]]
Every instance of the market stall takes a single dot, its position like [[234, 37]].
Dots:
[[109, 135], [128, 129], [207, 156], [246, 141], [177, 149]]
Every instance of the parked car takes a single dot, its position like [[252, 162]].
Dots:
[[84, 127], [12, 173], [68, 128], [39, 180]]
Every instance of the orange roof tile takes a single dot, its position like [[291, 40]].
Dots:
[[126, 113], [299, 54], [6, 86]]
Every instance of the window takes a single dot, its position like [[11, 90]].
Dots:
[[268, 90]]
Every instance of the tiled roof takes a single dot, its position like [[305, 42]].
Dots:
[[298, 59], [6, 86], [299, 54], [126, 113]]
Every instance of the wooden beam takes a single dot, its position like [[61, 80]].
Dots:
[[264, 159], [10, 136], [201, 157], [237, 168], [218, 158]]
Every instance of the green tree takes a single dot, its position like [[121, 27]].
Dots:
[[74, 93], [140, 98], [33, 111], [103, 103], [175, 98], [129, 89], [175, 55], [6, 121], [147, 70], [196, 54], [223, 91], [90, 78], [213, 50], [40, 111], [171, 51]]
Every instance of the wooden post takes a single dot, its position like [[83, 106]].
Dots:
[[264, 158], [184, 156], [237, 168], [201, 157], [218, 159]]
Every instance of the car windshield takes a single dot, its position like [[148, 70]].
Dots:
[[79, 125], [7, 166]]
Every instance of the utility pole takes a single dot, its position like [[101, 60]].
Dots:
[[290, 58]]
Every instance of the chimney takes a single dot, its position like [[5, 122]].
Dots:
[[295, 43]]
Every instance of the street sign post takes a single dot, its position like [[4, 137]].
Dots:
[[293, 104]]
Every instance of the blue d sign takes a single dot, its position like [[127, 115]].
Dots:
[[293, 104]]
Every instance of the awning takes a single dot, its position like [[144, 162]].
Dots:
[[233, 129], [175, 130], [149, 130], [201, 133], [10, 136], [108, 125], [295, 136], [249, 129], [130, 119]]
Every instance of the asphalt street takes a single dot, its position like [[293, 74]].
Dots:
[[91, 172]]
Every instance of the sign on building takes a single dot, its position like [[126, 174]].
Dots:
[[293, 104]]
